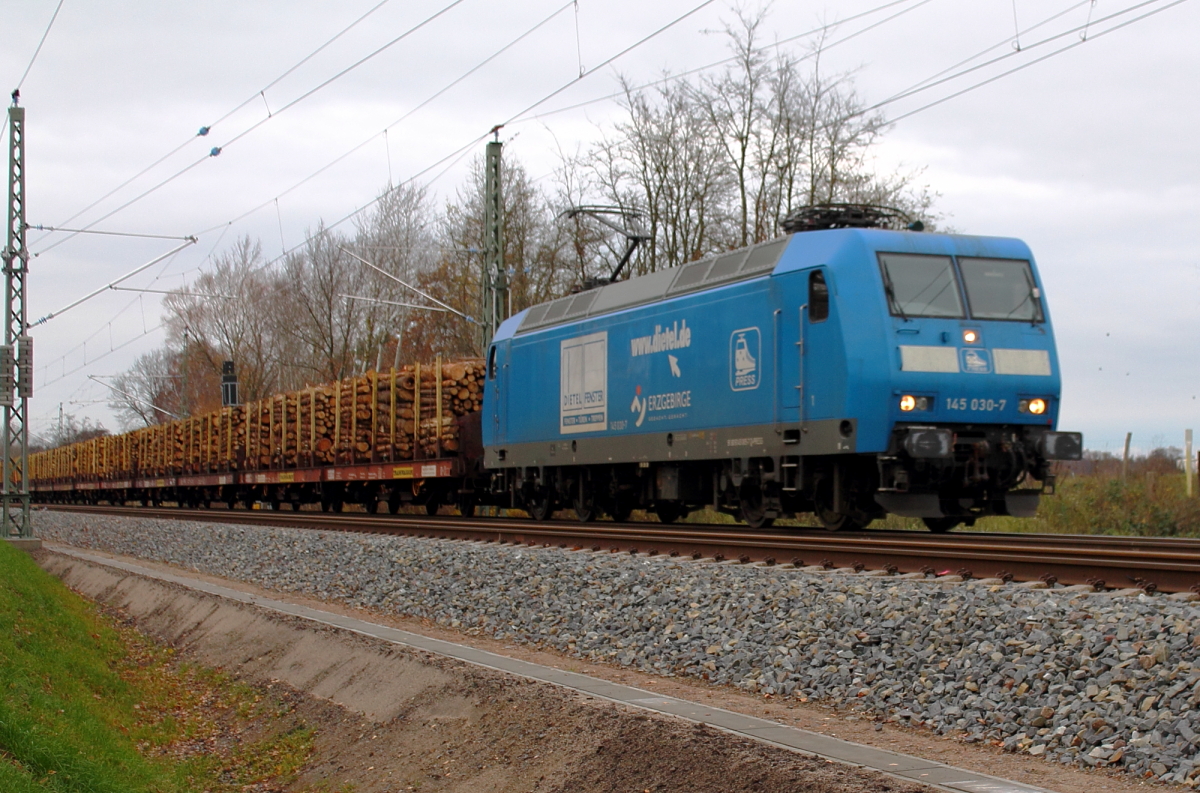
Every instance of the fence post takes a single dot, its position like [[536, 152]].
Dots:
[[1188, 471], [1125, 456]]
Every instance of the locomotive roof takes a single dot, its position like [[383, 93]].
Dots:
[[753, 262]]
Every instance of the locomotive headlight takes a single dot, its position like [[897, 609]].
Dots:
[[1035, 406], [970, 336], [909, 403]]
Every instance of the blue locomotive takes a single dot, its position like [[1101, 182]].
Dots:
[[848, 372]]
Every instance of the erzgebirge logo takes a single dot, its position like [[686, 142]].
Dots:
[[638, 407]]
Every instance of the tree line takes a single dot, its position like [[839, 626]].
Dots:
[[706, 164]]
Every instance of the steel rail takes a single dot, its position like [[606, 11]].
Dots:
[[1166, 564]]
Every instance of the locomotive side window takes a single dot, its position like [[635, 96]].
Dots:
[[920, 285], [818, 297], [491, 369], [1001, 289]]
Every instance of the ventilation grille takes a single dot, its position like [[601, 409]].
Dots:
[[704, 274]]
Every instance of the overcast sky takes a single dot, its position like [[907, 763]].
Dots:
[[1089, 155]]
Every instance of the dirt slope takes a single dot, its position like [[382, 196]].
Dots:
[[391, 719]]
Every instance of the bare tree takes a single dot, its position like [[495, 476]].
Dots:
[[227, 312], [69, 429], [319, 328], [149, 392], [661, 161]]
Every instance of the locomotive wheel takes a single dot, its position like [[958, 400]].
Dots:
[[539, 505], [620, 510], [836, 521], [755, 515], [941, 525], [752, 507], [584, 504], [829, 516], [668, 511]]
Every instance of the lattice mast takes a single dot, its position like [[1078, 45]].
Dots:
[[494, 304], [16, 354]]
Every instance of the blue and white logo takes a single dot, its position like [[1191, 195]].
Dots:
[[975, 361], [745, 352]]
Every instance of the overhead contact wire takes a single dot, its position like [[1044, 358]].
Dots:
[[460, 152], [206, 129], [925, 85], [764, 48], [401, 119], [21, 82], [216, 150], [1035, 61], [345, 71]]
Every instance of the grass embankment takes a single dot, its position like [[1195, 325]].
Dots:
[[89, 704]]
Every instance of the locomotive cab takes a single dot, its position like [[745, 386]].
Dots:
[[976, 387], [951, 378]]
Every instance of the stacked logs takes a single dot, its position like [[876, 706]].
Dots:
[[369, 418], [377, 417]]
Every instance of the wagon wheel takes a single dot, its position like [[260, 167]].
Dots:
[[539, 504], [432, 505], [372, 506], [467, 503]]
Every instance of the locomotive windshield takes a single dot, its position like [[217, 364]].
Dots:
[[1001, 289], [920, 286]]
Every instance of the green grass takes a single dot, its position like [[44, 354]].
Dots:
[[89, 704]]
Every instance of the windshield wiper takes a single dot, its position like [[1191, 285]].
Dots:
[[890, 291], [1031, 297]]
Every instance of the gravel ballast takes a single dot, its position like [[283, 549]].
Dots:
[[1072, 677]]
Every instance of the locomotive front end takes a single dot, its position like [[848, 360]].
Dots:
[[975, 385]]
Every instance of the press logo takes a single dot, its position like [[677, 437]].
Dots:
[[975, 361], [745, 352]]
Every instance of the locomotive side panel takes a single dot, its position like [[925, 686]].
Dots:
[[700, 369]]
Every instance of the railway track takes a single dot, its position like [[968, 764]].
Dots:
[[1151, 563]]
